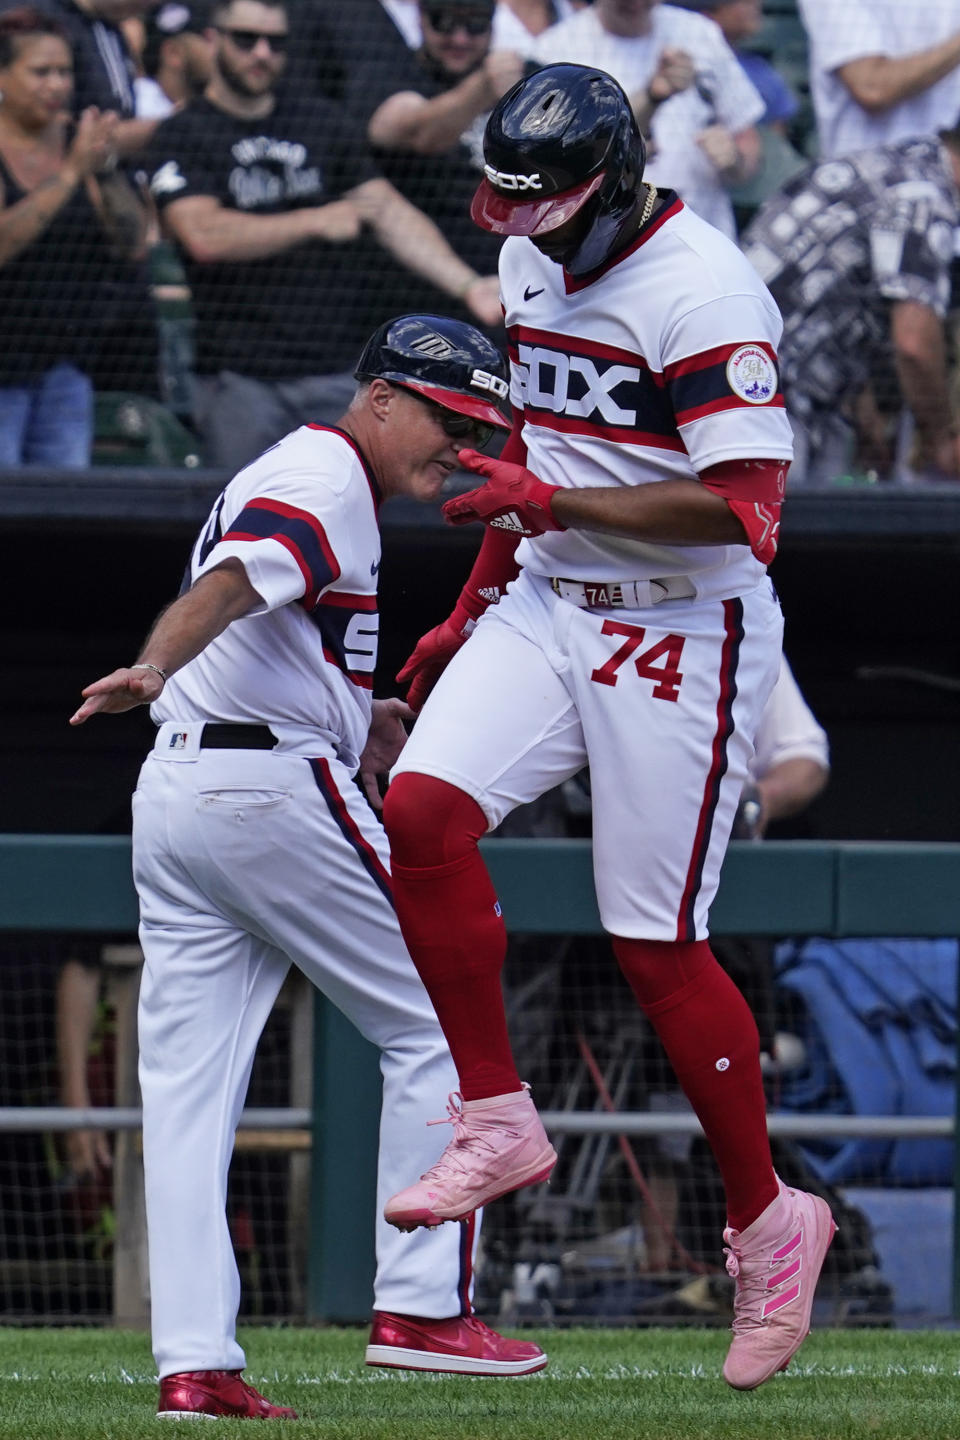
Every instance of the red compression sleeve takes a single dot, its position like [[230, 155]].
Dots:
[[515, 450], [762, 480], [451, 922], [493, 569], [495, 565], [711, 1040], [754, 491]]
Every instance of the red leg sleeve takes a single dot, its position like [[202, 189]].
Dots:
[[711, 1040], [451, 922]]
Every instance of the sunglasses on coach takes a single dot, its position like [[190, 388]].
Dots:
[[445, 22], [246, 40], [455, 426], [462, 427]]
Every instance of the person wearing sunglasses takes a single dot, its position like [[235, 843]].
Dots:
[[423, 115], [285, 223]]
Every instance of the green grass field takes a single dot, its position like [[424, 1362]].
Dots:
[[601, 1385]]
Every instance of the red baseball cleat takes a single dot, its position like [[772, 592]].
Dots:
[[461, 1346], [213, 1393]]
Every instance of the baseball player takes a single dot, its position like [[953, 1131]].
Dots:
[[253, 848], [641, 635]]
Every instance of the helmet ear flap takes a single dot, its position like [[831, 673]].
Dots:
[[614, 203]]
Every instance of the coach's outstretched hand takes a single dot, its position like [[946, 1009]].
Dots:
[[512, 499], [385, 739], [122, 690]]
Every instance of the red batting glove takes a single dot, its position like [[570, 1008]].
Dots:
[[512, 499], [433, 653]]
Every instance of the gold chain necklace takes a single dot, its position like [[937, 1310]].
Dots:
[[649, 203]]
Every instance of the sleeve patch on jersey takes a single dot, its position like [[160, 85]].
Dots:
[[297, 531], [729, 377], [752, 374]]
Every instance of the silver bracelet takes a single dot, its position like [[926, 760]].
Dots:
[[145, 665]]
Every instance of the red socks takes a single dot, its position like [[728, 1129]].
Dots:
[[711, 1040], [450, 919], [451, 922]]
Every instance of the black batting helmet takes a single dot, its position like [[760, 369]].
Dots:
[[562, 140], [446, 361]]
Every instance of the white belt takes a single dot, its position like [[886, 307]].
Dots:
[[623, 594]]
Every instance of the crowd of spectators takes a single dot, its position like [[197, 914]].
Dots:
[[309, 165]]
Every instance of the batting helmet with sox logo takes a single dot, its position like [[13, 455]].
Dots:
[[562, 142], [447, 361]]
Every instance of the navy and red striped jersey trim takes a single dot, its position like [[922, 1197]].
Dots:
[[356, 677], [568, 344], [361, 679], [638, 393], [672, 207], [333, 614], [350, 830], [375, 490], [298, 531], [617, 434], [729, 658], [699, 385], [347, 601]]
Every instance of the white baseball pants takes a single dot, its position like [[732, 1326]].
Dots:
[[663, 704], [244, 861]]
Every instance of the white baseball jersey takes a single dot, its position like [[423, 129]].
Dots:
[[302, 519], [857, 29], [661, 365], [664, 364], [788, 728]]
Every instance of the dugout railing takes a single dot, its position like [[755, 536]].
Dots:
[[82, 885]]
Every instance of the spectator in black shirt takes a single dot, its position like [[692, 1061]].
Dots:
[[104, 72], [104, 68], [264, 193], [331, 40], [65, 214]]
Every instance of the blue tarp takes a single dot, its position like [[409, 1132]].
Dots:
[[879, 1021]]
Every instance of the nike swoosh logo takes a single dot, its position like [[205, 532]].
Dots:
[[375, 567], [529, 294]]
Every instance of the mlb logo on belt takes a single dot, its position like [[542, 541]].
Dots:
[[178, 741]]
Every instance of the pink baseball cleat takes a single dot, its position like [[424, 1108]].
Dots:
[[213, 1394], [776, 1263], [461, 1346], [498, 1145]]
